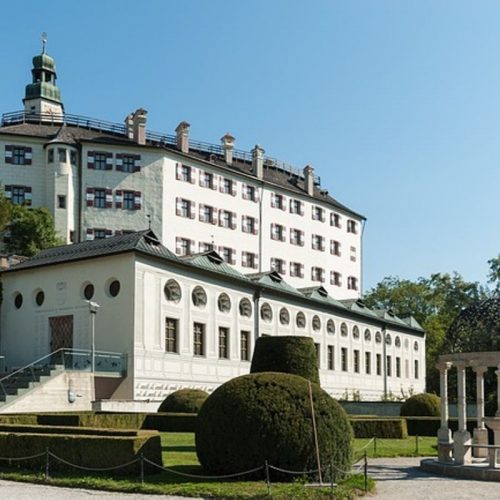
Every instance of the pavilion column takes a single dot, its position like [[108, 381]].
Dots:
[[462, 438], [444, 433], [480, 435]]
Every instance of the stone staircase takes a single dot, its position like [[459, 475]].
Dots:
[[23, 381]]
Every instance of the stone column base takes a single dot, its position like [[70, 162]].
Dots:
[[462, 447], [480, 436], [445, 445]]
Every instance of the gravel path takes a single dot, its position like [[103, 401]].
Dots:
[[10, 490], [401, 479]]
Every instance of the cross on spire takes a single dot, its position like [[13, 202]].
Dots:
[[44, 42]]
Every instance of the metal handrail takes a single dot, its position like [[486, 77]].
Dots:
[[16, 117]]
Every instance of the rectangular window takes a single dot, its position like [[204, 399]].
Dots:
[[99, 234], [335, 247], [228, 254], [352, 226], [99, 198], [249, 259], [128, 163], [18, 195], [318, 213], [198, 339], [249, 192], [61, 153], [207, 214], [223, 342], [186, 173], [245, 345], [207, 180], [297, 237], [368, 363], [352, 283], [296, 207], [249, 224], [278, 232], [335, 278], [407, 369], [416, 369], [343, 358], [184, 246], [227, 219], [331, 357], [278, 265], [50, 156], [318, 274], [128, 200], [335, 220], [398, 367], [277, 201], [171, 333], [356, 361], [389, 366], [18, 156], [206, 247], [379, 364], [61, 201], [228, 186], [72, 157], [353, 254], [185, 208], [318, 242], [100, 161], [296, 269]]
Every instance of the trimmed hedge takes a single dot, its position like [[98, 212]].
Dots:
[[184, 401], [428, 426], [392, 428], [267, 416], [286, 354], [171, 422], [98, 451], [422, 405]]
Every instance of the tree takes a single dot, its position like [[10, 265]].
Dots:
[[31, 230], [494, 274], [434, 302], [5, 212]]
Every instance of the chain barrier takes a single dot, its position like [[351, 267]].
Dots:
[[14, 459], [93, 469], [296, 472]]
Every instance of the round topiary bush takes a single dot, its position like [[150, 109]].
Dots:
[[184, 401], [267, 416], [421, 405], [287, 354]]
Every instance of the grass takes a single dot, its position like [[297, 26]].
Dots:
[[179, 454]]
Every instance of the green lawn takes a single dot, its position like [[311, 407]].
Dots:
[[179, 454]]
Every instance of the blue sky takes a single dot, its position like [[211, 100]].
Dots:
[[395, 103]]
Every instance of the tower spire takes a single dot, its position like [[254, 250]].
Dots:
[[43, 96]]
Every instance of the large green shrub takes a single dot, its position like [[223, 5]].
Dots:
[[421, 405], [184, 401], [267, 416], [287, 354], [392, 428]]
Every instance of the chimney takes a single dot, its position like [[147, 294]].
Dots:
[[139, 125], [228, 146], [182, 136], [129, 126], [309, 180], [258, 161]]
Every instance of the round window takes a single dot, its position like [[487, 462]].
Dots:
[[284, 316], [39, 298], [330, 327], [172, 291], [378, 337], [88, 291], [224, 303], [316, 323], [199, 296], [245, 308], [415, 345], [300, 320], [355, 332], [266, 313], [388, 339], [397, 341], [114, 288], [368, 335], [343, 330], [18, 300]]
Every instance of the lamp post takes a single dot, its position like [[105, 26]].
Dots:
[[93, 306]]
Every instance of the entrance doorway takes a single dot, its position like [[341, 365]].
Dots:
[[61, 332]]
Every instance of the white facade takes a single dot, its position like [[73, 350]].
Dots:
[[98, 179], [135, 323]]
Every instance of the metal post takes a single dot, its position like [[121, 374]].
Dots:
[[93, 311], [366, 473], [268, 482], [375, 447], [416, 445], [142, 469], [47, 459], [331, 478]]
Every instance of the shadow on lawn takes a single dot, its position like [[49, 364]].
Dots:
[[183, 449]]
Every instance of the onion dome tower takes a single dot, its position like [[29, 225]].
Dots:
[[43, 96]]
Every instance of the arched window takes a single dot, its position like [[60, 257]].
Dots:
[[284, 316], [266, 313], [368, 335], [397, 341], [415, 346], [330, 327], [388, 339], [343, 330], [355, 332], [172, 291], [378, 337], [316, 323]]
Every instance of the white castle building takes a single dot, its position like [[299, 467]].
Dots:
[[256, 248]]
